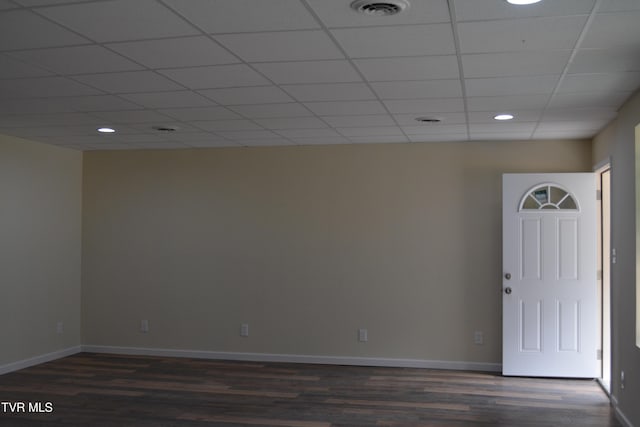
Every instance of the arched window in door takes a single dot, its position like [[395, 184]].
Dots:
[[548, 196]]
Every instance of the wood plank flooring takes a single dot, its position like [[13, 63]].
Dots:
[[113, 390]]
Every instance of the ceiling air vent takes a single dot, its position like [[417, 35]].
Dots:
[[380, 8], [431, 120], [165, 128]]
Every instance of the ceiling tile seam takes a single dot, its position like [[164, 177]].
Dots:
[[94, 42], [353, 65], [521, 18], [572, 57], [210, 36], [456, 41]]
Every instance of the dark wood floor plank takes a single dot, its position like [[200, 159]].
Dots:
[[118, 390]]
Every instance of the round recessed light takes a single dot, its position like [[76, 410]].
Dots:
[[379, 8], [106, 130], [503, 117], [523, 2]]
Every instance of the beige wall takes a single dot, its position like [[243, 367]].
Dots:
[[306, 244], [617, 143], [40, 191]]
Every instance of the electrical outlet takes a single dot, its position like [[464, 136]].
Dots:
[[478, 338], [144, 326], [60, 328], [244, 330], [363, 335]]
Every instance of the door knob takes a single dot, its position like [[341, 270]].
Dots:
[[507, 291], [507, 276]]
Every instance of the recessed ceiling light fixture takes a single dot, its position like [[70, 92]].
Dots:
[[523, 2], [106, 130], [503, 117], [380, 8]]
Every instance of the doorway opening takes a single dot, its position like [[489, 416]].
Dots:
[[604, 270]]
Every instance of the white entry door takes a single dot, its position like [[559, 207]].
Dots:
[[549, 286]]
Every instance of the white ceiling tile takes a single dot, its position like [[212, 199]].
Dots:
[[281, 46], [605, 60], [414, 40], [160, 145], [469, 10], [176, 99], [224, 16], [519, 116], [11, 68], [31, 3], [338, 13], [98, 103], [570, 134], [249, 134], [418, 89], [575, 114], [435, 129], [43, 87], [21, 29], [175, 53], [359, 121], [120, 20], [191, 136], [216, 76], [247, 95], [6, 5], [34, 106], [372, 139], [371, 131], [264, 142], [521, 85], [619, 5], [500, 136], [212, 143], [226, 125], [266, 111], [336, 140], [507, 103], [292, 123], [611, 82], [589, 99], [573, 125], [309, 72], [418, 68], [308, 133], [330, 92], [55, 119], [128, 82], [202, 113], [346, 108], [444, 137], [502, 127], [515, 63], [613, 31], [449, 118], [423, 106], [77, 60], [135, 116]]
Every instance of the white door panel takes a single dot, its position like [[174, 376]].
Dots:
[[549, 282]]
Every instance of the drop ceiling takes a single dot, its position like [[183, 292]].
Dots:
[[302, 72]]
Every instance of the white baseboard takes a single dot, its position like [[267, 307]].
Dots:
[[619, 414], [21, 364], [298, 358]]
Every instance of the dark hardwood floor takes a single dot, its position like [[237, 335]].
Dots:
[[109, 390]]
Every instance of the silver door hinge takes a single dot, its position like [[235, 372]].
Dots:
[[599, 275], [598, 194], [599, 355]]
